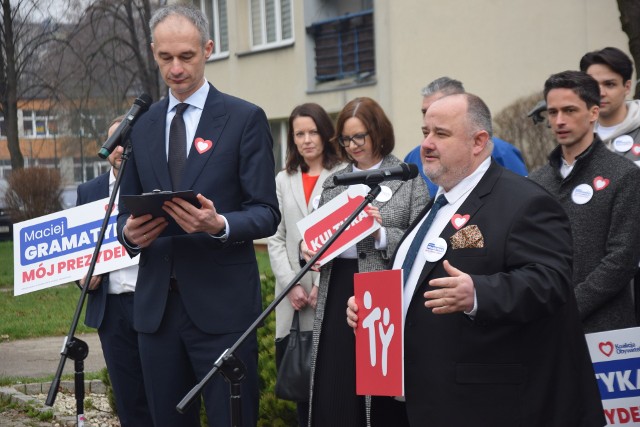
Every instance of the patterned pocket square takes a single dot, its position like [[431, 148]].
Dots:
[[467, 237]]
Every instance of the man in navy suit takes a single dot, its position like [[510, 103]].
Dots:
[[198, 289], [492, 335], [110, 310]]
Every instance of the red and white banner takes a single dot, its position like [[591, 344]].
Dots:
[[318, 227], [57, 248], [379, 336]]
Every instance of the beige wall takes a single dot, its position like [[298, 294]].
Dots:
[[500, 49]]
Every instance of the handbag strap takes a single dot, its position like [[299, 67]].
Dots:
[[295, 330], [295, 323]]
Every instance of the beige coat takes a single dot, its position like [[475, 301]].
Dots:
[[283, 246]]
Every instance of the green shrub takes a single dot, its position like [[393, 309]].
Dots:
[[273, 411]]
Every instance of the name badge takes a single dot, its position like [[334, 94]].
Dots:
[[582, 194], [623, 143], [435, 249]]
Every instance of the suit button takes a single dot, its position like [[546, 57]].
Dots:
[[362, 255], [166, 258]]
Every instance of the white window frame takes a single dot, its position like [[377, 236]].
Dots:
[[279, 41], [34, 118], [214, 21]]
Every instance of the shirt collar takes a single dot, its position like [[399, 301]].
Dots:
[[467, 184], [197, 99]]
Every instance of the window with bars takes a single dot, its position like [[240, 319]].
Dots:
[[344, 46], [216, 13], [271, 23]]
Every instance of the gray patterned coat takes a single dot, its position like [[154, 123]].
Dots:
[[408, 200], [606, 238]]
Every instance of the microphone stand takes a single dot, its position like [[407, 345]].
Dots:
[[231, 368], [72, 347]]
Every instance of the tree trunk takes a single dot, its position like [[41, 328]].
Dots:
[[10, 86], [630, 20]]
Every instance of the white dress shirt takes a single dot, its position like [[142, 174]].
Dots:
[[191, 118], [123, 280], [455, 197]]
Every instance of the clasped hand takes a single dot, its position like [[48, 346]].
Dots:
[[143, 230]]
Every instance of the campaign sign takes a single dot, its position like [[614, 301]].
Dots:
[[318, 227], [616, 362], [379, 337], [57, 248]]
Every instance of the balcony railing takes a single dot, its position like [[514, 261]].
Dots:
[[345, 46]]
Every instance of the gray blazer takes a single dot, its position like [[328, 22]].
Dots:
[[408, 200], [283, 246]]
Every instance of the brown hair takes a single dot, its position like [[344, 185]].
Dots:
[[373, 118], [330, 156]]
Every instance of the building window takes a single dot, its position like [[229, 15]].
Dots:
[[38, 123], [344, 46], [216, 13], [271, 23]]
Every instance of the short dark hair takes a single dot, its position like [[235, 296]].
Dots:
[[613, 58], [373, 118], [581, 83], [324, 125]]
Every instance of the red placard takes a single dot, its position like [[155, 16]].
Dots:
[[379, 336], [318, 227]]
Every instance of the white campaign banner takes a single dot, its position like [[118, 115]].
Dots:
[[616, 362], [57, 248]]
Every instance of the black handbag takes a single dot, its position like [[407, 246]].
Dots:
[[294, 373]]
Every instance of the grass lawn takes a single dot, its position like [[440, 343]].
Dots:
[[48, 312]]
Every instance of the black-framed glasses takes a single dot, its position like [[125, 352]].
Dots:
[[358, 139]]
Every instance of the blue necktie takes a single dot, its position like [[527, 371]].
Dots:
[[420, 235]]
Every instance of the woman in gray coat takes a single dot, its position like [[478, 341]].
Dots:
[[366, 138]]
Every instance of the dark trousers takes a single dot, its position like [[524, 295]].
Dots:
[[120, 349], [179, 355], [335, 402]]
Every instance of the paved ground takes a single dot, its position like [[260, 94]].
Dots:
[[38, 358]]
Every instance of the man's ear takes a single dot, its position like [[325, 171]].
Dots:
[[480, 140]]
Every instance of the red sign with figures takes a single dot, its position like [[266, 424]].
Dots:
[[379, 336], [318, 227]]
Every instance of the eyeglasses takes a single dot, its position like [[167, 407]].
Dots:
[[357, 139]]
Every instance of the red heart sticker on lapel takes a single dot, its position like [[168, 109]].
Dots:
[[459, 220], [112, 207], [203, 146], [606, 348], [636, 149], [600, 183]]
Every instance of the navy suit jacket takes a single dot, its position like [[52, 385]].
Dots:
[[219, 281], [88, 192], [523, 359]]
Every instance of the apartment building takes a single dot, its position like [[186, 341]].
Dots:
[[280, 53]]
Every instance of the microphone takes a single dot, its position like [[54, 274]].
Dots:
[[403, 171], [139, 107]]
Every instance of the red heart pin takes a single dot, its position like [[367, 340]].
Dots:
[[203, 146], [113, 208], [459, 220], [600, 183], [636, 149], [606, 348]]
